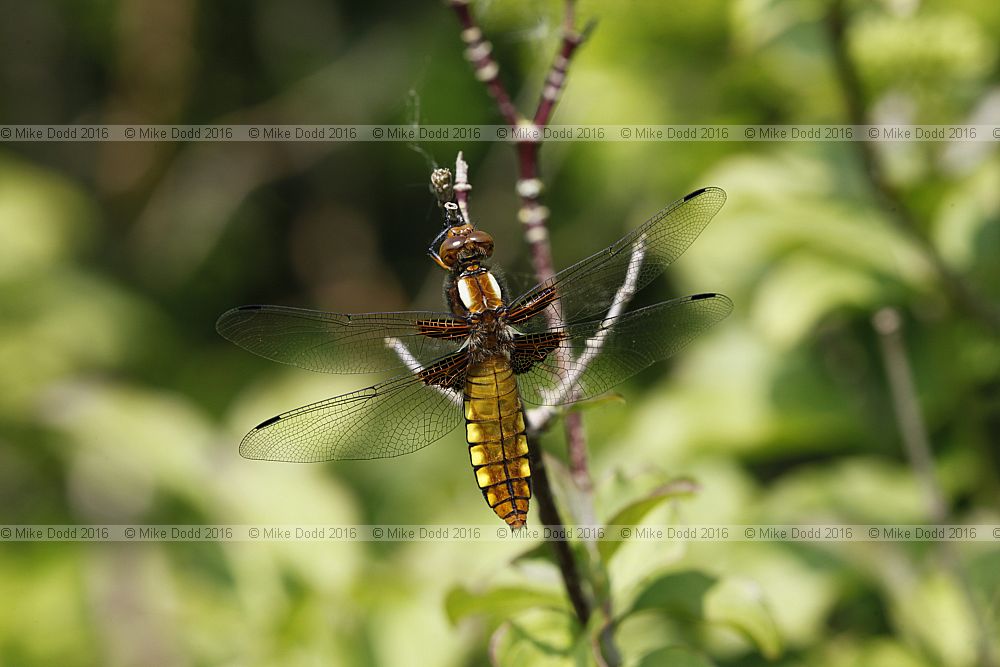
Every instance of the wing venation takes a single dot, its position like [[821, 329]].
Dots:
[[340, 343]]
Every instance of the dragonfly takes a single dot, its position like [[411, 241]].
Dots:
[[481, 363]]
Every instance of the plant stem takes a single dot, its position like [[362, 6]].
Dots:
[[549, 514], [888, 197], [479, 52], [911, 423], [913, 431]]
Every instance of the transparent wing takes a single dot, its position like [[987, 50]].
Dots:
[[589, 287], [624, 346], [389, 419], [339, 343]]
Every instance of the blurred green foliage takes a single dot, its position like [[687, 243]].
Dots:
[[118, 402]]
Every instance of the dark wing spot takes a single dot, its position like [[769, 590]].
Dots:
[[530, 349], [448, 373], [249, 307], [532, 306], [706, 295], [267, 422], [694, 194]]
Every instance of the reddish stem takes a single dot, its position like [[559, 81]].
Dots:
[[479, 52]]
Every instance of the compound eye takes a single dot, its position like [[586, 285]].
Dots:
[[461, 230], [450, 249], [483, 241]]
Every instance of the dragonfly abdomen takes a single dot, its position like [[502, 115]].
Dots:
[[498, 447]]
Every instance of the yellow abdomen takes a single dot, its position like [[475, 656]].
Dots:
[[498, 446]]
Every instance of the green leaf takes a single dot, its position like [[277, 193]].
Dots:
[[540, 639], [739, 604], [696, 596], [675, 656], [541, 551], [501, 602], [636, 511], [679, 594]]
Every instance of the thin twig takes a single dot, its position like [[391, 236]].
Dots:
[[549, 514], [534, 217], [576, 446], [540, 416], [556, 79], [913, 431], [908, 415], [961, 293], [479, 52], [462, 186], [414, 365]]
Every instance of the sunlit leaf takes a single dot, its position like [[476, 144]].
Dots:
[[43, 220], [540, 639], [674, 656], [634, 512], [541, 551], [678, 594], [696, 596], [501, 602], [739, 603], [935, 610]]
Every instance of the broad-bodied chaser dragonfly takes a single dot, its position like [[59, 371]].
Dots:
[[564, 340]]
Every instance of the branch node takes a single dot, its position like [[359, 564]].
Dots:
[[537, 234], [486, 71], [532, 215], [531, 132], [530, 188], [478, 50], [471, 35]]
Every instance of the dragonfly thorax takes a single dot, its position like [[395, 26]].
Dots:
[[475, 291], [490, 336]]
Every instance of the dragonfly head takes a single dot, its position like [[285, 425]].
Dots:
[[459, 243], [466, 246]]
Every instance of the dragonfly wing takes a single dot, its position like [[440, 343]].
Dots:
[[340, 343], [588, 288], [599, 354], [389, 419]]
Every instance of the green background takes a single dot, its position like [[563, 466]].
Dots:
[[120, 404]]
